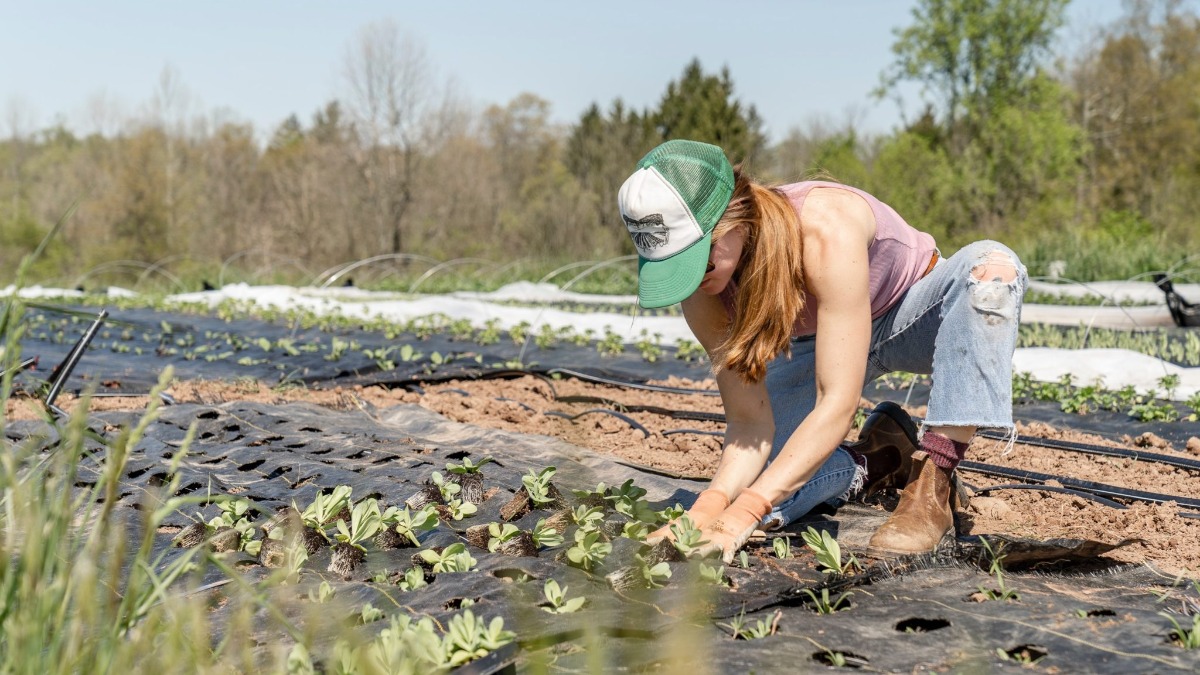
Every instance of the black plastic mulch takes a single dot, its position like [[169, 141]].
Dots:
[[1075, 612], [136, 345]]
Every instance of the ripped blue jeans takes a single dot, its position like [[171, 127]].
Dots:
[[952, 325]]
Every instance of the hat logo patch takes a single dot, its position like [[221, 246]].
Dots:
[[649, 232]]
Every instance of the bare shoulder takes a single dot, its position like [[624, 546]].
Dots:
[[835, 211]]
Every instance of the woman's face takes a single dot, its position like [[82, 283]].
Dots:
[[722, 261]]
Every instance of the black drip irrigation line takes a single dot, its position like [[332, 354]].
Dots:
[[1092, 449], [656, 410], [1053, 488], [605, 411], [1101, 489], [699, 432], [631, 385]]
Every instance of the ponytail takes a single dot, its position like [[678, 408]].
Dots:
[[770, 288]]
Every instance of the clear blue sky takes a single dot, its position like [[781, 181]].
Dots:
[[261, 61]]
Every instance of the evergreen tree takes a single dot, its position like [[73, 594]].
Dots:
[[702, 107]]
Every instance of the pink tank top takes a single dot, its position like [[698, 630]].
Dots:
[[897, 257]]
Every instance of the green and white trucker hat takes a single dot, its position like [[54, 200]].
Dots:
[[671, 204]]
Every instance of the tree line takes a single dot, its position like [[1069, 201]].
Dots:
[[1089, 158]]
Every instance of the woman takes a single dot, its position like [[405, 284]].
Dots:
[[800, 294]]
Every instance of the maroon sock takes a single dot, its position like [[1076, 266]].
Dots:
[[944, 452]]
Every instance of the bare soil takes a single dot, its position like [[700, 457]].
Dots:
[[1163, 538]]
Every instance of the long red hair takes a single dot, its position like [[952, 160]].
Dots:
[[770, 280]]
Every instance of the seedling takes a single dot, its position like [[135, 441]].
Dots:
[[370, 614], [648, 346], [743, 630], [653, 575], [627, 499], [823, 604], [828, 552], [323, 594], [545, 536], [453, 558], [688, 350], [446, 488], [337, 349], [611, 344], [407, 524], [556, 599], [501, 533], [585, 516], [468, 638], [670, 513], [589, 551], [713, 575], [688, 537], [348, 552], [744, 560], [636, 530], [459, 509], [467, 466], [413, 579], [365, 521], [996, 569], [1188, 638], [782, 547], [537, 486], [519, 332], [324, 508]]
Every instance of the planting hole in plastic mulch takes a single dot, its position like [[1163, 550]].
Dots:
[[513, 576], [921, 625], [841, 659], [1026, 654]]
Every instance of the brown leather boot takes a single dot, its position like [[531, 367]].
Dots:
[[887, 440], [923, 516]]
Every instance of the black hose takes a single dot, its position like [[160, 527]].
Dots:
[[699, 432], [631, 385], [605, 411], [1092, 449], [1101, 489], [1053, 488]]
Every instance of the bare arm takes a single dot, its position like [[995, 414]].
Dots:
[[838, 226], [750, 425]]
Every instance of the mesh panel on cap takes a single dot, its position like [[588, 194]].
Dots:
[[700, 173]]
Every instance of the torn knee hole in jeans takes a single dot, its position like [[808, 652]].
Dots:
[[993, 287]]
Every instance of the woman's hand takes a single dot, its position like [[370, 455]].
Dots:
[[733, 528], [707, 507]]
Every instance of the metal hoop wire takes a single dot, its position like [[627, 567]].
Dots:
[[134, 264], [337, 271], [446, 265], [295, 262], [564, 268]]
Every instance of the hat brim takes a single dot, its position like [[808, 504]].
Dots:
[[662, 283]]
